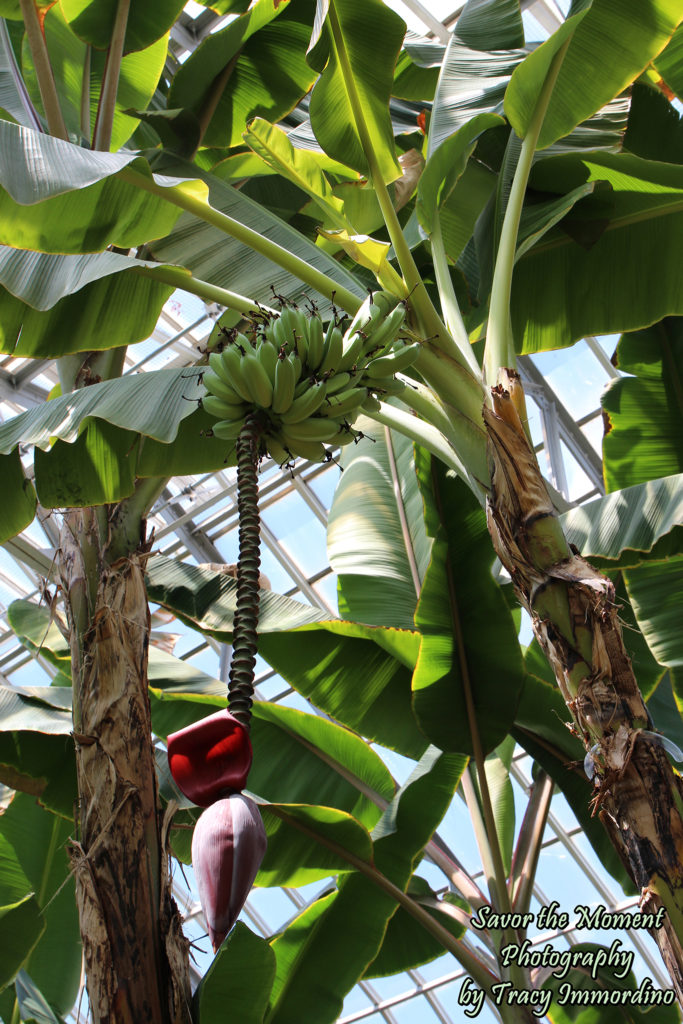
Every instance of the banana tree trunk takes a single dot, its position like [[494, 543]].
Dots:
[[575, 620], [136, 956]]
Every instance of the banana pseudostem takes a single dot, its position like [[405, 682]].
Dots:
[[244, 641]]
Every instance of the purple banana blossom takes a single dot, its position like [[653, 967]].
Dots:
[[227, 849]]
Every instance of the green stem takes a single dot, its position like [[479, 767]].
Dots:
[[430, 320], [449, 302], [500, 346], [43, 69], [463, 438], [462, 397], [417, 430], [482, 838], [181, 278], [85, 94], [525, 860], [104, 122], [271, 250], [426, 403], [16, 1013], [125, 529], [49, 858], [454, 383]]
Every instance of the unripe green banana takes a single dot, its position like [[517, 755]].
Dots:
[[345, 437], [312, 451], [372, 404], [385, 302], [283, 388], [241, 343], [332, 349], [353, 350], [280, 336], [290, 324], [269, 333], [306, 404], [385, 334], [343, 402], [217, 386], [232, 361], [267, 356], [397, 361], [316, 343], [338, 382], [301, 335], [296, 363], [223, 410], [303, 385], [257, 380], [387, 385], [276, 451], [228, 430], [311, 429], [217, 366], [366, 317]]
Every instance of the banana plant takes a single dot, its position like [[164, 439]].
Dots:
[[71, 211]]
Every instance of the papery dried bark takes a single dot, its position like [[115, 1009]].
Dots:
[[575, 620], [135, 954]]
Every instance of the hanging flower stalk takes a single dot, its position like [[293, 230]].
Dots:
[[244, 637], [210, 759], [285, 390]]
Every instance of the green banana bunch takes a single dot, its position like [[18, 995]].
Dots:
[[307, 382]]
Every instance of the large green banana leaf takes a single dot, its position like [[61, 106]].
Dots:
[[54, 304], [103, 437], [644, 439], [644, 436], [491, 24], [639, 523], [93, 21], [254, 67], [619, 36], [39, 839], [469, 669], [152, 404], [14, 99], [359, 908], [407, 944], [238, 981], [19, 506], [22, 922], [57, 197], [656, 593], [611, 265], [669, 62], [376, 539], [354, 46]]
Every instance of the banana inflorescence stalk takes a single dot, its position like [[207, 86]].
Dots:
[[244, 641]]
